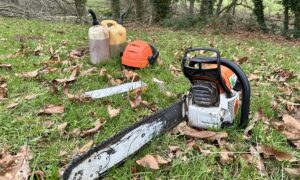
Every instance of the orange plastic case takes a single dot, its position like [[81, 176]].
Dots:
[[136, 54]]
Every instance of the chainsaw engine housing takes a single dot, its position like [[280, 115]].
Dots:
[[214, 98]]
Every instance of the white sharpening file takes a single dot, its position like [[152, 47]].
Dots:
[[97, 94]]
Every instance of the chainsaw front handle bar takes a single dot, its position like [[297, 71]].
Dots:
[[206, 60]]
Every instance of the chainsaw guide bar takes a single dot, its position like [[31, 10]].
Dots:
[[97, 161]]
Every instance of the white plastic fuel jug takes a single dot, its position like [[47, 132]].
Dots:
[[98, 41]]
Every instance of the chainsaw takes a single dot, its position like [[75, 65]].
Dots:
[[219, 93]]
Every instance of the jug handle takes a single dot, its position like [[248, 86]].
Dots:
[[106, 22]]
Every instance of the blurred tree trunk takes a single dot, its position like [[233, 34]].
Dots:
[[192, 7], [80, 8], [206, 9], [139, 7], [161, 8], [286, 20], [115, 8], [297, 22], [259, 12], [219, 6]]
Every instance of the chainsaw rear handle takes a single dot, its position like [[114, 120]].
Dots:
[[155, 55], [245, 108], [206, 60]]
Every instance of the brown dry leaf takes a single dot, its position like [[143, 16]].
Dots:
[[102, 72], [62, 153], [279, 155], [47, 70], [137, 99], [174, 151], [75, 97], [72, 77], [253, 77], [148, 161], [40, 175], [198, 134], [12, 105], [62, 128], [112, 112], [159, 61], [5, 66], [86, 147], [3, 91], [30, 74], [47, 123], [130, 75], [226, 157], [89, 132], [258, 161], [15, 166], [293, 171], [291, 122], [52, 109], [241, 60], [89, 71], [160, 160], [174, 70], [38, 50], [75, 132], [79, 52], [113, 81]]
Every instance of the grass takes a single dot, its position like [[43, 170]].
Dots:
[[22, 125]]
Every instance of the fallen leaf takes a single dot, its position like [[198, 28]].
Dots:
[[174, 70], [5, 66], [241, 60], [38, 50], [52, 109], [200, 134], [291, 122], [89, 71], [62, 128], [226, 157], [86, 147], [48, 123], [75, 132], [89, 132], [3, 91], [15, 166], [112, 112], [62, 153], [148, 161], [12, 105], [102, 72], [252, 77], [258, 161], [75, 97], [40, 175], [72, 77], [30, 74], [160, 83], [174, 151], [130, 75], [293, 171], [159, 61], [30, 97], [279, 155], [113, 81], [137, 99], [79, 52], [160, 160]]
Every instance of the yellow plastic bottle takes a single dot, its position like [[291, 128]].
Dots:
[[117, 37]]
